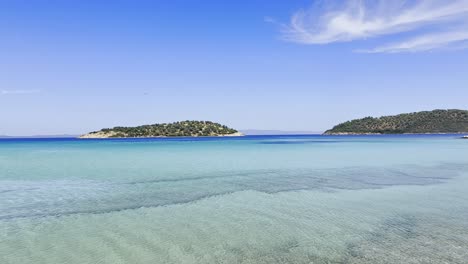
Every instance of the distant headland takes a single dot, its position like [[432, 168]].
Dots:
[[425, 122], [175, 129]]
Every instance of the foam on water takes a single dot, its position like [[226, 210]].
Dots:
[[253, 200]]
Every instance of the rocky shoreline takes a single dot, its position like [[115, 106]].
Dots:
[[368, 134]]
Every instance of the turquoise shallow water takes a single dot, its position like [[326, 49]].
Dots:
[[257, 199]]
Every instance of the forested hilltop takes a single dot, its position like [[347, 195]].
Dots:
[[436, 121], [176, 129]]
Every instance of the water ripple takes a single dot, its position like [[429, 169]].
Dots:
[[59, 198]]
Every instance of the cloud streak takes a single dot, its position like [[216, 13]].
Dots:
[[433, 24], [8, 92]]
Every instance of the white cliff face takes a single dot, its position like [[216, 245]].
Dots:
[[237, 134], [99, 134]]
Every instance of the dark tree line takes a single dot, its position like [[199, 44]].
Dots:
[[176, 129], [436, 121]]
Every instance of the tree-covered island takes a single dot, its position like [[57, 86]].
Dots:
[[425, 122], [175, 129]]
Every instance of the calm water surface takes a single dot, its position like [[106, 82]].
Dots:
[[255, 199]]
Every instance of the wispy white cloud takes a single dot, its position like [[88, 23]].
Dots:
[[433, 23], [6, 92], [269, 19], [424, 43]]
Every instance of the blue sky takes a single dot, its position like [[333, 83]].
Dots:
[[68, 67]]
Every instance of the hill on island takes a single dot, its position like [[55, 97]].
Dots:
[[436, 121], [176, 129]]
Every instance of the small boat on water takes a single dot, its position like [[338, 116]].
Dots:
[[465, 137]]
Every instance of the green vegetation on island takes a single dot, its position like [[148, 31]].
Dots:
[[176, 129], [436, 121]]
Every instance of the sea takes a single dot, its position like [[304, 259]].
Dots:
[[253, 199]]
